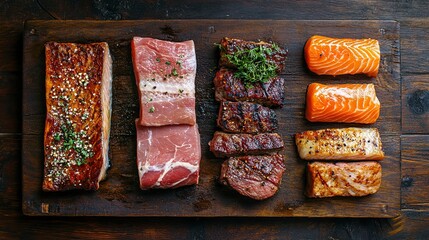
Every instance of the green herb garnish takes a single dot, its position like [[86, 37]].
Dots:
[[174, 72], [152, 109], [73, 140], [252, 64], [168, 63]]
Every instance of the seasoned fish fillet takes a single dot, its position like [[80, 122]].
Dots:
[[340, 144], [343, 179], [78, 109], [337, 56]]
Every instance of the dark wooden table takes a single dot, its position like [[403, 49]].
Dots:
[[414, 40]]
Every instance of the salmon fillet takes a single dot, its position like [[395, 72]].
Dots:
[[78, 110], [342, 179], [340, 144], [348, 103], [336, 56]]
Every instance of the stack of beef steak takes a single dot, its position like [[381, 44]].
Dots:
[[254, 168], [168, 141]]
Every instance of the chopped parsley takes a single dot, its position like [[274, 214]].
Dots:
[[152, 109], [174, 72], [252, 64], [73, 140]]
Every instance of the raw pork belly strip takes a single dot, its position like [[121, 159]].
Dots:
[[340, 144], [257, 177], [230, 88], [245, 117], [350, 103], [228, 145], [343, 179], [168, 156], [165, 74], [78, 108], [229, 46]]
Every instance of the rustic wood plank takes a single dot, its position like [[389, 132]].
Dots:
[[120, 195], [412, 225], [415, 177], [414, 47], [10, 175], [415, 104], [10, 102], [98, 228], [222, 9], [11, 45]]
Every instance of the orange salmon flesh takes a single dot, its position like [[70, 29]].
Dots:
[[348, 103], [339, 56]]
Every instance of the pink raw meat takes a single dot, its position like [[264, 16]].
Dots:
[[168, 156], [165, 74]]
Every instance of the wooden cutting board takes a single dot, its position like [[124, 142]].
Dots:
[[120, 195]]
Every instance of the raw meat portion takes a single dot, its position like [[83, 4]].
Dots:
[[350, 103], [336, 56], [228, 145], [78, 109], [257, 177], [165, 74], [229, 46], [340, 144], [230, 88], [245, 117], [343, 179], [168, 156]]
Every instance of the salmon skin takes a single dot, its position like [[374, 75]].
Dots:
[[339, 56], [348, 103]]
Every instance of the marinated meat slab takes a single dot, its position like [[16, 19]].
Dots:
[[343, 179], [78, 108], [257, 177], [228, 145], [230, 88], [168, 156], [340, 144], [245, 117], [229, 46], [165, 74]]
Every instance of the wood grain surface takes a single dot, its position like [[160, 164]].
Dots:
[[119, 195], [414, 20]]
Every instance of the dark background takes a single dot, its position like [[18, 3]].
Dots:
[[414, 28]]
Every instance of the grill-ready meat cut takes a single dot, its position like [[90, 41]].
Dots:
[[230, 88], [165, 74], [78, 109], [168, 156], [340, 144], [229, 46], [245, 117], [228, 145], [257, 177], [343, 179]]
